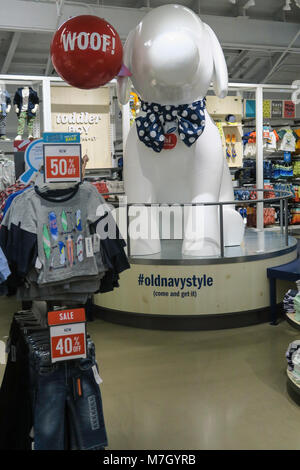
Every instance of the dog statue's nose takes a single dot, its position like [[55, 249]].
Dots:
[[173, 58]]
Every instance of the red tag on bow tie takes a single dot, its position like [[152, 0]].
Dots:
[[170, 141]]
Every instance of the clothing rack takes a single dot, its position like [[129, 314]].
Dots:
[[35, 391]]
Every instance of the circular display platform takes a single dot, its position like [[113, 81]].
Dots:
[[290, 317], [171, 291], [293, 387]]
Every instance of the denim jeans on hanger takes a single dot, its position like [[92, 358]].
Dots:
[[67, 386], [15, 399]]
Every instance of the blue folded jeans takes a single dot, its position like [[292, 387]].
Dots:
[[67, 400]]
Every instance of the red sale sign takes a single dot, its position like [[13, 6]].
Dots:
[[61, 317], [62, 163], [62, 167], [68, 342]]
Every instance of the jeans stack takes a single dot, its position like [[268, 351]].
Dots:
[[45, 405]]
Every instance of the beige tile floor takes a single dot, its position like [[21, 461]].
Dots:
[[193, 390]]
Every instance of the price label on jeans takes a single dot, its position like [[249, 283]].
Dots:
[[68, 341], [62, 163]]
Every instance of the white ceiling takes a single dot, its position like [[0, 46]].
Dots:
[[255, 42]]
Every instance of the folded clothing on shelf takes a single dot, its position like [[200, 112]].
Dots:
[[290, 354], [295, 215], [296, 168], [269, 216], [288, 300], [281, 169]]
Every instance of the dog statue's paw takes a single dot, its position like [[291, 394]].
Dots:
[[204, 247], [143, 247], [234, 227]]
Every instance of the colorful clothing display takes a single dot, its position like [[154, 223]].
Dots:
[[284, 139]]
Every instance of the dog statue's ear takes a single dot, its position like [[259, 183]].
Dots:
[[220, 77], [123, 81]]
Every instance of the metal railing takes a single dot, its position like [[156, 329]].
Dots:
[[283, 199]]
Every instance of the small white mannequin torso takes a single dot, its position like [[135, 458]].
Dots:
[[25, 96]]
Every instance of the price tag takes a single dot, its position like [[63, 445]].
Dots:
[[170, 141], [67, 338], [68, 342], [62, 163]]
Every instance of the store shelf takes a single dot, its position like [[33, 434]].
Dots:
[[6, 146]]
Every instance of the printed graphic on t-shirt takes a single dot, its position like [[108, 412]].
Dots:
[[53, 225], [79, 248], [46, 241], [64, 221], [62, 255], [70, 250], [78, 220]]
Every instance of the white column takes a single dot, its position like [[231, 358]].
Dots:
[[259, 156], [112, 93], [125, 124], [47, 105]]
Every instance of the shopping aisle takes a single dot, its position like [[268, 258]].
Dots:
[[193, 390]]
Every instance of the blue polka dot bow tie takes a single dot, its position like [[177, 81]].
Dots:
[[188, 118]]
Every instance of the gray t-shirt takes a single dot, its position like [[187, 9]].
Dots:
[[65, 242]]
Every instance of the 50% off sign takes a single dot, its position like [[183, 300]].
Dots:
[[62, 163]]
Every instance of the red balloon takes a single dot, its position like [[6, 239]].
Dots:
[[87, 52]]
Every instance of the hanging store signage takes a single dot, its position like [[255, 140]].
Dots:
[[33, 160], [250, 110], [276, 109], [59, 317], [62, 163], [61, 137], [68, 342], [267, 108], [289, 109], [21, 145], [67, 334]]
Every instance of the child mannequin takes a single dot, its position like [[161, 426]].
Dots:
[[5, 107], [26, 103]]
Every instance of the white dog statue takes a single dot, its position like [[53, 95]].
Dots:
[[173, 57]]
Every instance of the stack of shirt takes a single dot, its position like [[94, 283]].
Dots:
[[290, 354], [52, 246], [297, 307], [288, 301]]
